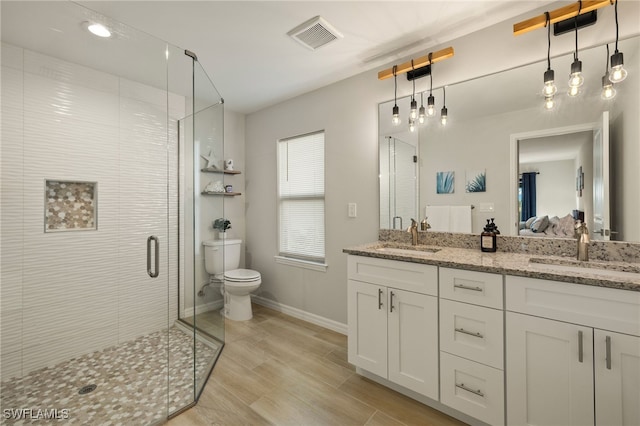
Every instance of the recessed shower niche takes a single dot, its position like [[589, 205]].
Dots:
[[70, 206]]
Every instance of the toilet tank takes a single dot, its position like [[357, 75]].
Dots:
[[221, 255]]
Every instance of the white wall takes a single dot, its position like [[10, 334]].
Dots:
[[555, 187], [69, 293], [347, 111]]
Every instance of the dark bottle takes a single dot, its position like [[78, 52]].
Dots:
[[488, 237]]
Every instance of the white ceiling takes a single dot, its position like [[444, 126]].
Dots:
[[244, 48]]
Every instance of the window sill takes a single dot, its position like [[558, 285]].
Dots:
[[314, 266]]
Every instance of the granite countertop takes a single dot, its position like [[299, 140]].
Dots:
[[619, 275]]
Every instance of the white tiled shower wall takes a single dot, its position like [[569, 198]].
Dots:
[[64, 294]]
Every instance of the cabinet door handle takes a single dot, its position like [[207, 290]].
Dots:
[[607, 341], [580, 347], [465, 287], [391, 303], [475, 392], [379, 298], [470, 333]]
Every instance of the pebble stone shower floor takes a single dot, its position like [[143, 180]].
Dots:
[[131, 381]]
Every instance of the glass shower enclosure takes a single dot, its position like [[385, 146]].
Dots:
[[98, 230]]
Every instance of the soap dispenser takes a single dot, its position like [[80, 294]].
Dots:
[[488, 237]]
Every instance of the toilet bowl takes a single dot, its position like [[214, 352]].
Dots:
[[237, 288], [221, 260]]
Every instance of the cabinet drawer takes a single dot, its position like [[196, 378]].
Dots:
[[472, 332], [605, 308], [408, 276], [472, 388], [478, 288]]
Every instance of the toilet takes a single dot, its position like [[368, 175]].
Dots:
[[221, 260]]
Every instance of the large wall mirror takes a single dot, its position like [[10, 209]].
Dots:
[[583, 153]]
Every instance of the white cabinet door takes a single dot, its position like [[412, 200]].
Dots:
[[367, 315], [549, 372], [617, 369], [413, 341]]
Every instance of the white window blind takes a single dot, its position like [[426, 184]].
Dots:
[[301, 197]]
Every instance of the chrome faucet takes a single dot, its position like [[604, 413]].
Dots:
[[413, 229], [394, 222], [582, 235]]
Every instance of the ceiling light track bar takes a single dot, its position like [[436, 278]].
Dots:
[[558, 15], [420, 62]]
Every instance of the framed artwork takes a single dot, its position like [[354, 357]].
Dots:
[[445, 182], [476, 181]]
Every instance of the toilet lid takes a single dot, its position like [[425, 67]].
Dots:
[[241, 275]]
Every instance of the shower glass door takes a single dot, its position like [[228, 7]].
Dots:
[[90, 260]]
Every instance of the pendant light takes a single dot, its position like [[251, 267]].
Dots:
[[431, 102], [413, 112], [576, 78], [550, 88], [618, 73], [421, 112], [396, 111], [608, 92], [443, 112]]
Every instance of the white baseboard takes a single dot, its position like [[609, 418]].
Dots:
[[211, 306], [303, 315]]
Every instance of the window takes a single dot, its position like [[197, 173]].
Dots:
[[301, 198]]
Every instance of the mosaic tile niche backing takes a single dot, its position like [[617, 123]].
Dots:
[[70, 205]]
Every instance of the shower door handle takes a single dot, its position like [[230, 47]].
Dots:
[[153, 274]]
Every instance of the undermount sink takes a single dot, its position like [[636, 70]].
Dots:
[[605, 270], [416, 251]]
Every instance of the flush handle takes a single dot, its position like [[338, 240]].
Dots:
[[151, 272]]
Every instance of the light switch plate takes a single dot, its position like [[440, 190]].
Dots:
[[352, 210], [486, 207]]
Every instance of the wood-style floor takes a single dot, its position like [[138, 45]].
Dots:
[[278, 370]]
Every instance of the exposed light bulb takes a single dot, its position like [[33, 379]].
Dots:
[[413, 113], [574, 91], [617, 73], [421, 115], [99, 30], [396, 116], [550, 88], [431, 106], [549, 103], [576, 79], [412, 125], [608, 91], [443, 116]]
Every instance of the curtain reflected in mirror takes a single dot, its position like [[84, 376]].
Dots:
[[527, 195]]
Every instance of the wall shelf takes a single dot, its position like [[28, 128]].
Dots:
[[226, 172], [228, 194]]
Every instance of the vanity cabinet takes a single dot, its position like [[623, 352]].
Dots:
[[573, 354], [393, 322], [472, 343]]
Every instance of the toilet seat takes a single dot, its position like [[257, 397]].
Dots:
[[242, 276]]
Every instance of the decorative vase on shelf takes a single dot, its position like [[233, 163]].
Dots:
[[222, 235]]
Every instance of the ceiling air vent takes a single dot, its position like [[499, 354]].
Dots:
[[314, 33]]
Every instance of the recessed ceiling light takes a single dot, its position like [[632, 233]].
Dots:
[[98, 29]]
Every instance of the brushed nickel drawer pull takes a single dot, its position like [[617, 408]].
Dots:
[[465, 287], [391, 303], [608, 346], [379, 298], [476, 392], [470, 333]]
